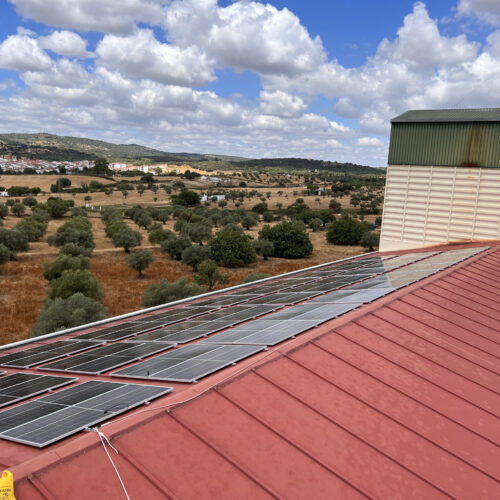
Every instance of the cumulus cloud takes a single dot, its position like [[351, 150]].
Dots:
[[369, 141], [485, 10], [141, 56], [65, 43], [281, 104], [246, 35], [115, 16], [21, 53]]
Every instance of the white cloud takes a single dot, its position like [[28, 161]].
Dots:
[[22, 53], [65, 43], [245, 35], [369, 142], [281, 104], [115, 16], [141, 56], [485, 10]]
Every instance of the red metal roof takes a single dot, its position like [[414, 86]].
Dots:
[[399, 399]]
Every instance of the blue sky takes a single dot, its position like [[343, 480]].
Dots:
[[312, 79]]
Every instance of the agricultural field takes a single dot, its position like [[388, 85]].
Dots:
[[23, 289]]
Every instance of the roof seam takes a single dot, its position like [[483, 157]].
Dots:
[[297, 446], [454, 323], [415, 375], [359, 438], [415, 353], [386, 415], [444, 340], [227, 458]]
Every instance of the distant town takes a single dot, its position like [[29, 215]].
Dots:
[[10, 163]]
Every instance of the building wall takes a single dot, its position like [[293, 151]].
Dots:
[[426, 205], [470, 144]]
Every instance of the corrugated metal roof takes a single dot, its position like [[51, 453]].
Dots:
[[449, 115], [399, 399]]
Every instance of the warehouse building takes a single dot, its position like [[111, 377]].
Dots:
[[443, 178]]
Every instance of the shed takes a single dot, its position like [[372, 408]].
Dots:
[[443, 178]]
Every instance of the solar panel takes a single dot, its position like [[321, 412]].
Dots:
[[181, 333], [269, 333], [46, 352], [51, 418], [108, 357], [282, 298], [190, 363], [310, 311], [225, 300], [19, 386], [348, 296]]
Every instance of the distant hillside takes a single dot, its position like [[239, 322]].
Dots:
[[305, 164], [54, 148], [57, 148]]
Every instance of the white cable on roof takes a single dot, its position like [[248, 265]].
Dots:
[[104, 439]]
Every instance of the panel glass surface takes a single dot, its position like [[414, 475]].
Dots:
[[19, 386], [190, 363]]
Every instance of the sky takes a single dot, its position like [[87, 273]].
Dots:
[[288, 78]]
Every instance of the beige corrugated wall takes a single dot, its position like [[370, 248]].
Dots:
[[428, 205]]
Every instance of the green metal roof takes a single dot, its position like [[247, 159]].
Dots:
[[449, 115]]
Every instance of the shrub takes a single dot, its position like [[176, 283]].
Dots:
[[254, 277], [30, 202], [78, 212], [199, 232], [263, 247], [248, 221], [369, 240], [74, 281], [127, 239], [54, 270], [4, 254], [186, 198], [164, 292], [195, 255], [345, 231], [56, 207], [18, 209], [4, 210], [15, 240], [60, 314], [157, 236], [209, 275], [335, 206], [230, 247], [268, 217], [175, 246], [74, 250], [80, 237], [315, 224], [290, 240], [140, 261], [260, 208], [33, 228]]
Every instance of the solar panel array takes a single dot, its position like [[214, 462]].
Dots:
[[19, 386], [108, 357], [54, 417], [233, 326], [45, 352]]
